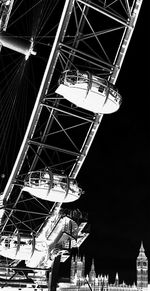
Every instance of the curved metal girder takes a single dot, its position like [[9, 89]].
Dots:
[[59, 134]]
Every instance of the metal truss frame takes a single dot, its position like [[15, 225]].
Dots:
[[91, 37], [71, 50]]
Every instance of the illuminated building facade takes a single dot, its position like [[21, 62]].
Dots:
[[142, 269], [78, 280]]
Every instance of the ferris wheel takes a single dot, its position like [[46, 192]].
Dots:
[[61, 62]]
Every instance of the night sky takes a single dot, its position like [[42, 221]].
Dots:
[[115, 174]]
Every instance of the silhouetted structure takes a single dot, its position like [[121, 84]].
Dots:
[[78, 280]]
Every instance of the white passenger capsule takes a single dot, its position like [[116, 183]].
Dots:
[[52, 187], [89, 92]]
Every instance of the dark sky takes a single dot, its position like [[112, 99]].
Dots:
[[116, 175]]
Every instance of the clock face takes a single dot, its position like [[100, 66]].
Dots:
[[140, 264]]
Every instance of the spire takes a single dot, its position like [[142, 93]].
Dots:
[[142, 252], [142, 245], [92, 266], [142, 248], [92, 274], [117, 279]]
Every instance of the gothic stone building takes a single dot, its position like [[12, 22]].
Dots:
[[78, 281]]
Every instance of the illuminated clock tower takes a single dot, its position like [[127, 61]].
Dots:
[[142, 269]]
